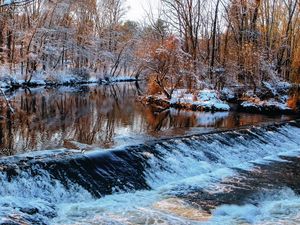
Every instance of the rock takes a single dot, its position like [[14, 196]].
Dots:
[[30, 211], [69, 144], [156, 101], [228, 95], [205, 100], [10, 223], [270, 106]]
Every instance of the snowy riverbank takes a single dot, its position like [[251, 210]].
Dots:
[[58, 78], [280, 98], [205, 100]]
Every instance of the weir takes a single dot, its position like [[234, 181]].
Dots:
[[206, 170]]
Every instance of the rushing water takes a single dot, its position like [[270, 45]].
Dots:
[[105, 116], [246, 176]]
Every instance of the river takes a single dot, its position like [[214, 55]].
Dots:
[[145, 166], [102, 116]]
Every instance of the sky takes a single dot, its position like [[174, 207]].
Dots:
[[137, 9]]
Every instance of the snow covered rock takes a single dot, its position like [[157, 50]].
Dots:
[[3, 84], [273, 90], [270, 99], [228, 95], [270, 106], [205, 100], [70, 144]]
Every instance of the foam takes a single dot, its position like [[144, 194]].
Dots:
[[171, 168]]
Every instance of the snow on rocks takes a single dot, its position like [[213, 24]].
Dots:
[[270, 99], [272, 105], [4, 84], [228, 95], [205, 100]]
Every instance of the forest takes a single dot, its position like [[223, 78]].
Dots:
[[184, 43], [240, 47]]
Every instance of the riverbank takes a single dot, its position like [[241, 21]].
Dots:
[[204, 100], [13, 84], [281, 98]]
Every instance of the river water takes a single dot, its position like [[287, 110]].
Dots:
[[145, 167], [105, 117]]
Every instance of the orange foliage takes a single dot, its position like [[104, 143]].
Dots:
[[292, 102], [153, 88], [168, 65], [296, 66]]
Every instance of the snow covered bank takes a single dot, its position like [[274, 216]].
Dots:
[[57, 80], [271, 98], [256, 105], [118, 79], [67, 77], [205, 100]]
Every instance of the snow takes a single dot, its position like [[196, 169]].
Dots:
[[277, 89], [57, 77], [270, 98], [118, 79], [270, 87], [9, 2], [260, 105], [227, 94], [205, 99], [38, 82], [284, 85], [3, 84]]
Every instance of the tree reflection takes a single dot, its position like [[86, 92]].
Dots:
[[96, 116]]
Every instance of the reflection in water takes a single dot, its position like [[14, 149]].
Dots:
[[103, 116]]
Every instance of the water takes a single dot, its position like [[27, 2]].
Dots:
[[101, 117], [172, 167], [246, 176]]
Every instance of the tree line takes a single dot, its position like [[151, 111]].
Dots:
[[186, 43]]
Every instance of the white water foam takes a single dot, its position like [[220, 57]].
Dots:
[[183, 164], [39, 194], [281, 208]]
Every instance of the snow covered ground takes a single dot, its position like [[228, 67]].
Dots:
[[57, 78], [204, 100], [271, 105], [271, 98]]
